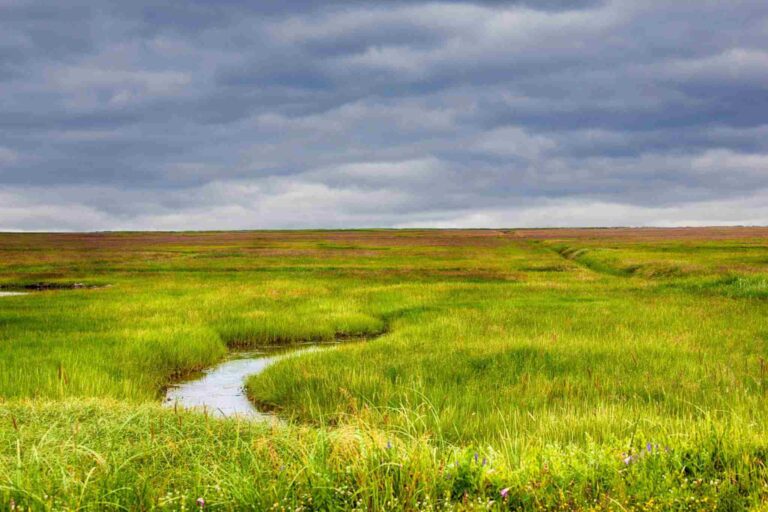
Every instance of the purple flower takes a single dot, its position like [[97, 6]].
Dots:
[[485, 461], [649, 447], [200, 502], [389, 445], [476, 457], [504, 493]]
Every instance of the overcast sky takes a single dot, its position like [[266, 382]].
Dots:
[[235, 114]]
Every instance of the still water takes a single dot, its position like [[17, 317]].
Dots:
[[220, 390]]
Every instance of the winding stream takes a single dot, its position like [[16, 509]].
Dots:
[[220, 390]]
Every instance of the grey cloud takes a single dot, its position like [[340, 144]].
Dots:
[[188, 113]]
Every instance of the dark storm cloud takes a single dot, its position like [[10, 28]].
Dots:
[[287, 114]]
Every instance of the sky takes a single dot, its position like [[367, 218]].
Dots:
[[236, 114]]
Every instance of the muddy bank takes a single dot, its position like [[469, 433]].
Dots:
[[47, 285]]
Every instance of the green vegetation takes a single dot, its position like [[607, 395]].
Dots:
[[502, 369]]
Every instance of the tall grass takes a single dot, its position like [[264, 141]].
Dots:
[[108, 455]]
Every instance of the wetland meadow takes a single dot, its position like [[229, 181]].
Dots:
[[558, 369]]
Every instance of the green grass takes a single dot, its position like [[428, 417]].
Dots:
[[557, 361]]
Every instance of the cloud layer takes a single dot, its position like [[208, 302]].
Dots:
[[232, 114]]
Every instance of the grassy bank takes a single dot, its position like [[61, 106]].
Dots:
[[571, 369], [105, 454]]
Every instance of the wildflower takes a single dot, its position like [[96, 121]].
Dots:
[[649, 447], [504, 493], [200, 502], [476, 457], [389, 445], [485, 461], [12, 504]]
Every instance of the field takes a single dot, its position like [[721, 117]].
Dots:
[[602, 369]]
